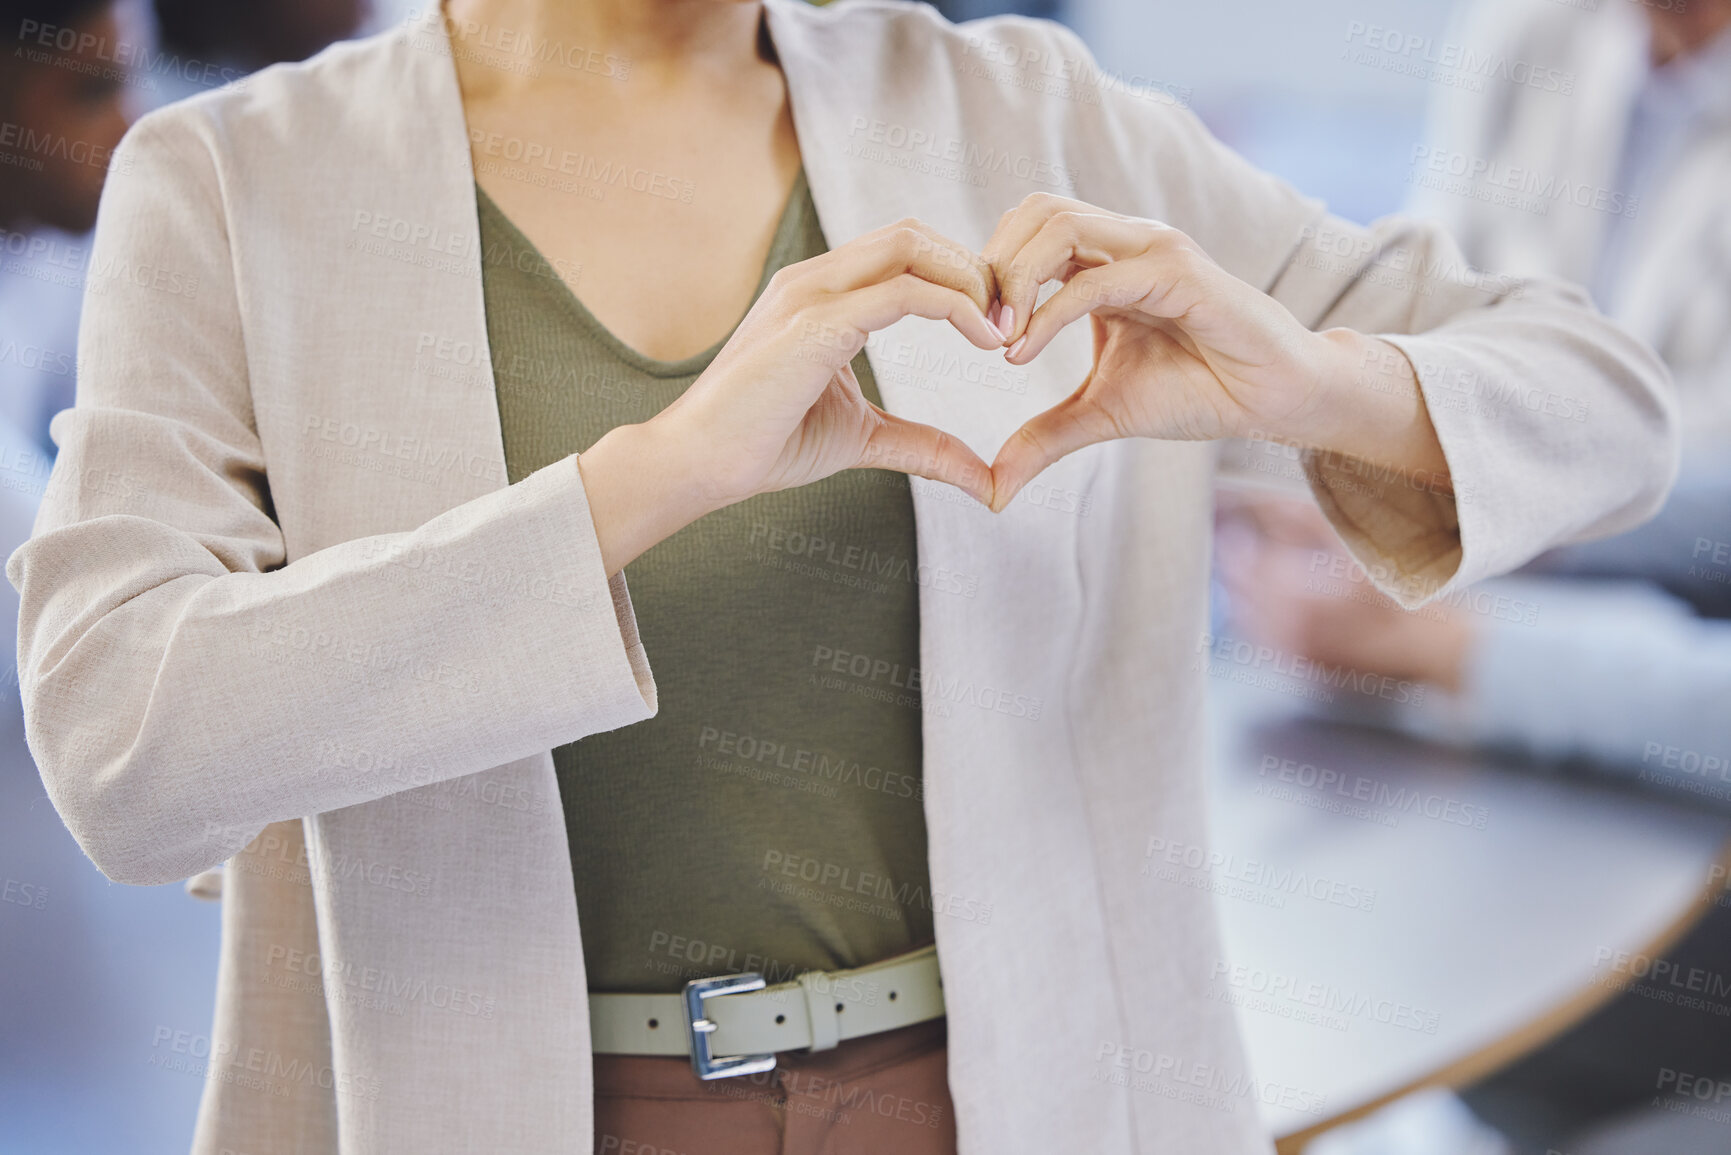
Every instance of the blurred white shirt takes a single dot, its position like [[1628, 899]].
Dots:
[[1618, 183]]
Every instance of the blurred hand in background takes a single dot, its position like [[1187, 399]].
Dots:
[[1290, 584]]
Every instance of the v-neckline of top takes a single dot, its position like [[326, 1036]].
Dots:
[[654, 367]]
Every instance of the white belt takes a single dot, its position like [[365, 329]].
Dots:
[[734, 1024]]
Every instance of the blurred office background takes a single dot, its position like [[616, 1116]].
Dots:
[[101, 984]]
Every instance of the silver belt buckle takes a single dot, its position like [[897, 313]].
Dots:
[[699, 1027]]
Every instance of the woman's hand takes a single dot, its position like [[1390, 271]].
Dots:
[[780, 406], [1183, 350], [781, 401]]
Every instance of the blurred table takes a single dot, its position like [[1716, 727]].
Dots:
[[1398, 915]]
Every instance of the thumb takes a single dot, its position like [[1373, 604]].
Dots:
[[1066, 427]]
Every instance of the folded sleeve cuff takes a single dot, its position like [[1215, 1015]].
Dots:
[[1404, 529], [634, 652]]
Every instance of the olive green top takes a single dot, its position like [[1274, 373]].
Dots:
[[770, 816]]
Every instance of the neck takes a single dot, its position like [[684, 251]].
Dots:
[[663, 39], [1687, 29]]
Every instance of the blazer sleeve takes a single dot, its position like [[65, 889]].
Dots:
[[1557, 425], [182, 686]]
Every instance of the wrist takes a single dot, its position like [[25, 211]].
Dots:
[[1344, 365], [643, 486], [1365, 403]]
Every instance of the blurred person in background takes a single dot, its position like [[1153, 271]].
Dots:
[[67, 71], [1620, 186], [1604, 656], [49, 95], [61, 115]]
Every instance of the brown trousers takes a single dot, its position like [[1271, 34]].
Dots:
[[885, 1092]]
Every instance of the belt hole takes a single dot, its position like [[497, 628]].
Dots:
[[892, 996], [839, 1008], [654, 1023], [780, 1019]]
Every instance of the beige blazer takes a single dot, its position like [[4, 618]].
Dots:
[[1550, 187], [282, 609]]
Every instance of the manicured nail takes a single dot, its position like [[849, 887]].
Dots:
[[1017, 347], [1007, 319], [992, 313], [996, 332]]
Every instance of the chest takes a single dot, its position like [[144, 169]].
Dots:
[[660, 227]]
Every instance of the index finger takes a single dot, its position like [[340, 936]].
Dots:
[[1016, 228], [910, 246]]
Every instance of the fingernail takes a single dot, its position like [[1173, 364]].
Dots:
[[1017, 347], [1007, 319], [996, 332], [993, 313]]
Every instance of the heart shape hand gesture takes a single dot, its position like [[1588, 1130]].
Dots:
[[1182, 350]]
